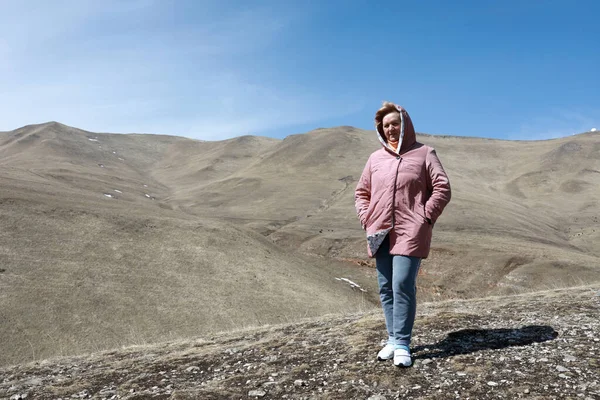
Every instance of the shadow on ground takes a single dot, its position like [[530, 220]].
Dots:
[[468, 341]]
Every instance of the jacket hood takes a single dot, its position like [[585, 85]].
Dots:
[[407, 132]]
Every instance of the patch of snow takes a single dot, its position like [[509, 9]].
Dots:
[[122, 159], [92, 140], [352, 284], [117, 190], [101, 165], [109, 195], [114, 152], [145, 185], [147, 195]]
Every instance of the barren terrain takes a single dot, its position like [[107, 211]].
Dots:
[[542, 345], [111, 240]]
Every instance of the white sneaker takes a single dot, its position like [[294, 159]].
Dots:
[[387, 353], [402, 358]]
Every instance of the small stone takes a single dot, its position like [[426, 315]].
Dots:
[[492, 383], [299, 382], [560, 368], [377, 397], [563, 376], [33, 382], [526, 391], [191, 369], [569, 358], [427, 361], [257, 393]]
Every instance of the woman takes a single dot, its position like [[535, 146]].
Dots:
[[400, 195]]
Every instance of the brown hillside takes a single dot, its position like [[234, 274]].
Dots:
[[112, 239], [81, 271]]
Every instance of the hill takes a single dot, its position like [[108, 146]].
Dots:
[[94, 255], [113, 239]]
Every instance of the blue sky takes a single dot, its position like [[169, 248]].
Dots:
[[218, 69]]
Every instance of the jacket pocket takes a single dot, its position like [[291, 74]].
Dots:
[[425, 215], [420, 212], [372, 210]]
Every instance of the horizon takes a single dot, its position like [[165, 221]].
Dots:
[[201, 70], [593, 130]]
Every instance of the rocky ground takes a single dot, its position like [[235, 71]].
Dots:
[[543, 345]]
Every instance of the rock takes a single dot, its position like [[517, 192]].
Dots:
[[450, 362], [33, 382], [257, 393]]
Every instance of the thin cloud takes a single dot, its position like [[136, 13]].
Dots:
[[116, 67], [557, 123]]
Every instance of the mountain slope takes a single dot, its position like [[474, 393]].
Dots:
[[110, 239], [81, 271]]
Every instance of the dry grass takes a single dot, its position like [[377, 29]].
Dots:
[[250, 231], [516, 342]]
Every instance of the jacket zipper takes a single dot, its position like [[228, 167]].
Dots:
[[394, 193]]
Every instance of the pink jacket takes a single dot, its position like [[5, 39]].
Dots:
[[402, 194]]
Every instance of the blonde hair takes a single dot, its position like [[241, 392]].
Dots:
[[386, 108]]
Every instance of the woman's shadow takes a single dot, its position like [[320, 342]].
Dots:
[[468, 341]]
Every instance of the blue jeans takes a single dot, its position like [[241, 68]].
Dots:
[[397, 276]]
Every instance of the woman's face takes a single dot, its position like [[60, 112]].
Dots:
[[391, 127]]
